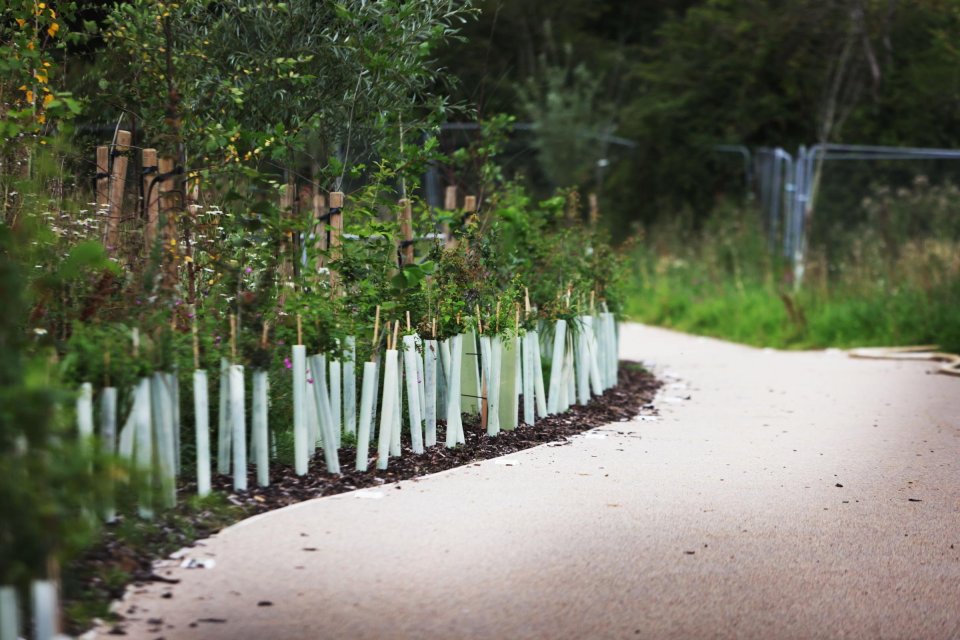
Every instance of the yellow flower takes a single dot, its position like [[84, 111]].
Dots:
[[21, 22], [29, 96], [52, 29], [41, 118], [47, 99]]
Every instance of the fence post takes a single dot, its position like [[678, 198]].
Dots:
[[319, 230], [151, 194], [103, 177], [167, 204], [336, 231], [406, 232], [115, 200]]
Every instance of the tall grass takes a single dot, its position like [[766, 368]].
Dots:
[[892, 279]]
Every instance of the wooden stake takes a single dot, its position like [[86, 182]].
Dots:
[[103, 177], [450, 198], [479, 321], [592, 294], [376, 329], [299, 329], [498, 316], [336, 233], [396, 333], [408, 321], [516, 318], [470, 205], [196, 339], [164, 190], [319, 228], [233, 338], [406, 232], [594, 209], [263, 335], [433, 331], [115, 201], [287, 196], [151, 191], [526, 300]]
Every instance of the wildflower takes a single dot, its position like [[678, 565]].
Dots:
[[287, 363]]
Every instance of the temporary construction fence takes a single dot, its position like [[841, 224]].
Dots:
[[788, 185], [415, 388]]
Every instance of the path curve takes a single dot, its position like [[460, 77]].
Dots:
[[722, 519]]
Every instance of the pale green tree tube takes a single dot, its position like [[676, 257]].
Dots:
[[223, 420], [454, 426], [541, 397], [322, 399], [507, 383], [413, 393], [261, 427], [301, 449], [108, 442], [143, 447], [238, 420], [201, 422], [350, 387], [557, 367], [46, 610], [430, 391], [9, 614], [85, 411], [389, 406], [528, 375], [336, 400], [368, 391]]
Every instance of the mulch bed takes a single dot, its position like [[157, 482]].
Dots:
[[635, 390]]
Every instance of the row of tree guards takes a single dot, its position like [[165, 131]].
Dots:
[[506, 376]]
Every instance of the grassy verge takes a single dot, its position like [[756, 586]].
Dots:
[[721, 281]]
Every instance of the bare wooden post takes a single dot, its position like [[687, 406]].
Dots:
[[103, 177], [450, 198], [115, 200], [286, 244], [406, 232], [470, 205], [319, 228], [594, 209], [168, 203], [151, 192], [336, 231], [450, 204]]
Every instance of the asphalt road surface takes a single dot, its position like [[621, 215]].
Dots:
[[777, 495]]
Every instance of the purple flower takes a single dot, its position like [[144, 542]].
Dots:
[[248, 270], [287, 363]]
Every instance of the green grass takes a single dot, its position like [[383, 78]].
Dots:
[[722, 282]]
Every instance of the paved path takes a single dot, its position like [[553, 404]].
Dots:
[[722, 519]]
